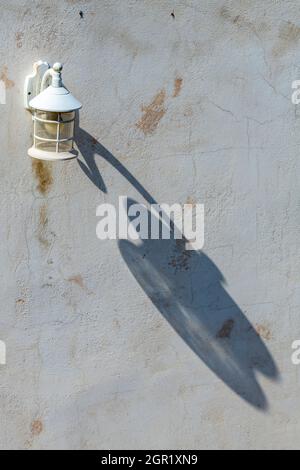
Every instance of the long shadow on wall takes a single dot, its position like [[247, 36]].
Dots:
[[188, 290]]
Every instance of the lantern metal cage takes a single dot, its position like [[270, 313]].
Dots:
[[53, 135]]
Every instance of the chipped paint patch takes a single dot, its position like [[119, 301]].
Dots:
[[153, 113], [43, 173]]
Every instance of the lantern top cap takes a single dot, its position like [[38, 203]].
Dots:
[[55, 98]]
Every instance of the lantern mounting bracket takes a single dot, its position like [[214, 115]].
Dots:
[[33, 82]]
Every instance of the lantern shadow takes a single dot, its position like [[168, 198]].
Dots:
[[187, 288]]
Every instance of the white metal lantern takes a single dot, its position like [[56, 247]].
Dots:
[[53, 112]]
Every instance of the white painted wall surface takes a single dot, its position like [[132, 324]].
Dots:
[[109, 346]]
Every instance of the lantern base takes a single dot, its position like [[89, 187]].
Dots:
[[52, 156]]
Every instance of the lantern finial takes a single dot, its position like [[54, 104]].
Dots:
[[57, 67]]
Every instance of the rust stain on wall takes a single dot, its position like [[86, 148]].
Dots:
[[226, 330], [263, 331], [4, 77], [177, 86], [77, 280], [36, 427], [153, 113], [43, 173]]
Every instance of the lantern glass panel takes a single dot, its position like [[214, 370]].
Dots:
[[66, 129], [65, 146], [54, 132], [46, 130], [45, 146]]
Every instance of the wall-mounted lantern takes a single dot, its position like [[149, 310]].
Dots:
[[53, 113]]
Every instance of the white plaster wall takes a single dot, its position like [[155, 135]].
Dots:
[[96, 357]]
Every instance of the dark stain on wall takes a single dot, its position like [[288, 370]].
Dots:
[[43, 173], [288, 37], [19, 39], [42, 227], [226, 330], [43, 216], [240, 21], [228, 15], [180, 260]]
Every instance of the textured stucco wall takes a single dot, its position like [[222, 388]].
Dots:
[[113, 346]]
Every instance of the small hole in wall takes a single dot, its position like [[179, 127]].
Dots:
[[173, 15], [81, 14], [29, 93]]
